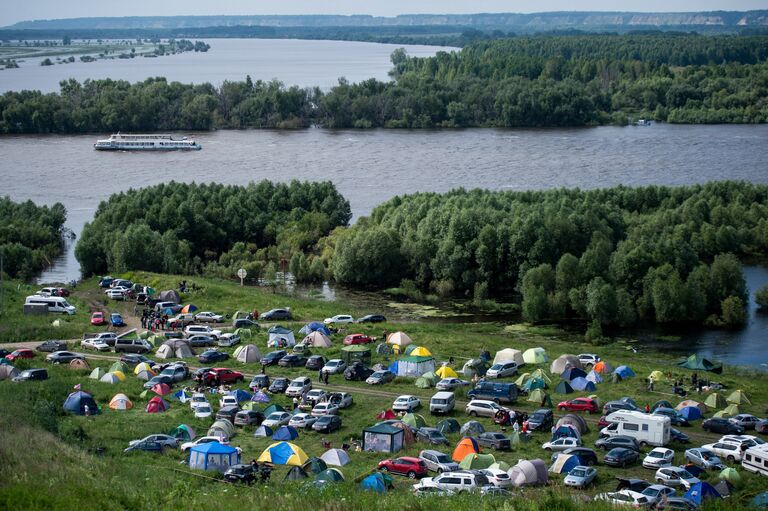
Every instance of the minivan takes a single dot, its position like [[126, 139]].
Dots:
[[494, 391], [132, 346], [442, 402], [54, 303]]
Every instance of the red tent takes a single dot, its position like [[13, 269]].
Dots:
[[389, 414], [161, 389], [156, 405]]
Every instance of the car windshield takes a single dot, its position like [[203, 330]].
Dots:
[[578, 472], [204, 408], [497, 366], [275, 416], [655, 454], [443, 458]]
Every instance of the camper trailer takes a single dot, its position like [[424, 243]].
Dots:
[[646, 429], [756, 459]]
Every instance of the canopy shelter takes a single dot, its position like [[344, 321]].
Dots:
[[562, 362], [509, 355], [338, 457], [317, 340], [213, 456], [280, 337], [283, 453], [698, 363], [77, 402], [383, 438], [413, 366], [535, 356], [466, 446], [315, 326], [120, 402], [356, 352]]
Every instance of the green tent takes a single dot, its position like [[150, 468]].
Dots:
[[414, 420], [183, 432], [250, 405], [274, 407], [696, 363], [540, 397], [514, 437], [732, 410], [331, 475], [473, 461], [564, 388], [432, 377], [423, 383], [731, 475], [738, 397], [500, 465], [314, 465], [661, 403], [448, 426], [97, 373], [539, 373], [715, 401], [356, 352], [244, 333], [522, 379], [119, 366]]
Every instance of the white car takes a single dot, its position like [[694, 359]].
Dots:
[[302, 420], [203, 440], [748, 440], [197, 399], [209, 317], [426, 488], [657, 492], [457, 481], [203, 411], [335, 366], [94, 344], [339, 319], [561, 444], [624, 498], [498, 478], [658, 457], [675, 476], [406, 404], [728, 451], [277, 419], [298, 386], [325, 409], [316, 395], [115, 294], [202, 329], [502, 370], [588, 359], [117, 289], [482, 408], [227, 401], [450, 384]]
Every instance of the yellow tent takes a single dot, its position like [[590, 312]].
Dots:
[[142, 367], [120, 402], [120, 375], [420, 352], [283, 453], [738, 397], [522, 379], [446, 372], [656, 376]]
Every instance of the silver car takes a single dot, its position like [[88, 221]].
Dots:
[[580, 476], [675, 476], [704, 458]]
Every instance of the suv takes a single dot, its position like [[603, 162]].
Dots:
[[315, 362], [482, 408], [462, 480], [541, 419], [228, 340], [138, 346], [437, 461], [298, 386], [161, 306], [588, 359], [183, 319], [241, 473], [726, 450], [580, 404], [220, 375], [494, 391], [202, 329], [31, 374], [108, 337], [176, 372], [502, 370], [722, 426], [405, 466], [276, 314]]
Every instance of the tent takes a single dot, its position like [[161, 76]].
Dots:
[[533, 384], [700, 492], [97, 373], [314, 465], [500, 465], [399, 339], [263, 431], [78, 363], [183, 432], [383, 438], [661, 403], [738, 397], [466, 445], [317, 340], [473, 461], [420, 351], [656, 376], [280, 337], [272, 409], [386, 415], [356, 352], [156, 405], [625, 372], [170, 295], [472, 428], [248, 354], [240, 394], [315, 326], [374, 482], [145, 375], [561, 363], [143, 366], [8, 372], [697, 363], [474, 366], [565, 431], [110, 378], [761, 500], [528, 473], [78, 400], [690, 413], [330, 475], [715, 400], [731, 475], [535, 356], [564, 388], [213, 456], [522, 378], [161, 389], [119, 366], [285, 433], [175, 348], [182, 395], [295, 474], [413, 366], [572, 372], [189, 308], [583, 385], [690, 402], [260, 397], [423, 383], [564, 463], [414, 420], [432, 377], [283, 453], [244, 333], [509, 355], [120, 402], [603, 367], [732, 410], [541, 374], [540, 397], [577, 421], [594, 377], [448, 426], [338, 457], [384, 349]]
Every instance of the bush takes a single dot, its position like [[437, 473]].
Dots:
[[761, 297]]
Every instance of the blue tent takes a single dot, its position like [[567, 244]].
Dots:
[[760, 500], [565, 430], [393, 367], [701, 491], [315, 326], [264, 431], [564, 463], [213, 456], [182, 396], [240, 395], [691, 413], [77, 401], [168, 312], [285, 433], [374, 482], [624, 371], [582, 384], [572, 372], [594, 377]]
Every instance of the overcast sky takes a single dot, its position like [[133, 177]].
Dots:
[[18, 10]]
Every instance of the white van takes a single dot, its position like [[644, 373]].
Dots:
[[442, 402], [756, 459], [54, 303], [646, 429]]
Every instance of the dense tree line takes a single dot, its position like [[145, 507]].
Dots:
[[522, 81], [212, 228], [611, 256], [30, 236]]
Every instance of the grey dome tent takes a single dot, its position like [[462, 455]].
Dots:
[[448, 426], [564, 388], [577, 421], [383, 349], [475, 366], [296, 474], [171, 295], [222, 428], [175, 348], [472, 428], [561, 363]]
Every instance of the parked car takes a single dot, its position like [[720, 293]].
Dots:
[[315, 395], [298, 386], [201, 341], [500, 392], [63, 357], [722, 426], [244, 323], [202, 440], [728, 451], [94, 344], [704, 458], [380, 377], [177, 372], [426, 488], [482, 408], [437, 461], [497, 441], [98, 319], [228, 413], [745, 420], [561, 444], [588, 359], [674, 416], [762, 426], [342, 399], [335, 366], [675, 435], [742, 440], [658, 492], [675, 476], [241, 473], [228, 340], [276, 314], [541, 420], [624, 498], [31, 375], [327, 424], [51, 346], [158, 379], [276, 419], [450, 384], [458, 481], [580, 477], [630, 483], [612, 442], [202, 329], [580, 404], [115, 294], [321, 409], [273, 357], [21, 354], [211, 356], [339, 319], [315, 362], [372, 318], [357, 339], [658, 457], [405, 466], [612, 406], [155, 447], [586, 455], [209, 317], [197, 399], [431, 435], [302, 420], [292, 360], [134, 359], [502, 370], [279, 385], [248, 418], [203, 411], [222, 375], [406, 403], [498, 478], [621, 457], [164, 440]]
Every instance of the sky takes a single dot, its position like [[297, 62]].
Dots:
[[16, 10]]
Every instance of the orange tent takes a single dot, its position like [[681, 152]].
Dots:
[[467, 445], [602, 367]]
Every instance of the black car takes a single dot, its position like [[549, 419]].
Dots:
[[621, 457], [259, 381], [228, 413], [210, 356], [145, 445], [612, 406], [357, 372], [276, 314], [64, 357], [542, 419], [676, 435], [674, 416], [498, 441], [273, 357], [586, 455], [241, 474], [637, 485], [315, 362], [201, 340], [248, 418], [199, 373], [51, 346], [680, 503], [722, 426], [244, 323], [160, 378], [431, 435], [134, 359], [612, 442], [372, 318], [327, 424], [4, 352], [292, 360], [31, 374], [279, 385]]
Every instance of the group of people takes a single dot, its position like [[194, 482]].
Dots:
[[154, 320]]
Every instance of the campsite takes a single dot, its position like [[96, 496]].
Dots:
[[84, 454]]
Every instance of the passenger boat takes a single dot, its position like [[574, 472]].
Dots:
[[120, 142]]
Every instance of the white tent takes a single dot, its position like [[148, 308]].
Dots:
[[248, 354], [562, 362], [337, 457], [317, 339], [8, 372], [509, 355], [527, 473], [175, 348], [399, 339]]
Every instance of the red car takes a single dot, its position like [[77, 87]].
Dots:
[[97, 319], [219, 375], [602, 423], [405, 466], [580, 404], [357, 339], [23, 353]]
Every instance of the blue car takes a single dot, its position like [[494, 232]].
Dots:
[[116, 319]]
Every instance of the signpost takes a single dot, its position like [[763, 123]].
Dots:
[[242, 274]]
